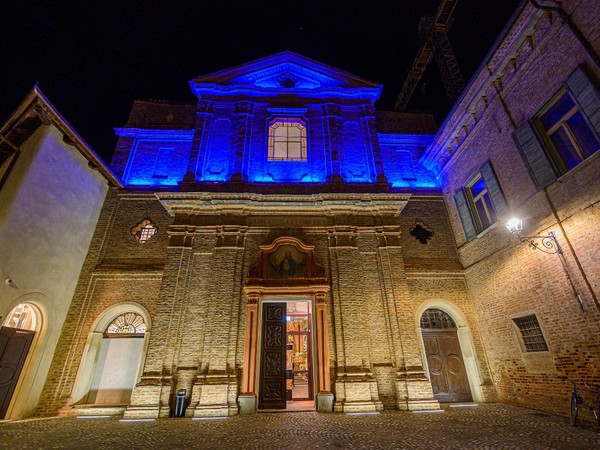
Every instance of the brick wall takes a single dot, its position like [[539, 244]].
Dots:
[[506, 278]]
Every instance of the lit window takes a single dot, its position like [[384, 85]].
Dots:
[[129, 324], [144, 231], [531, 334], [22, 317], [480, 202], [287, 140], [569, 139], [564, 132]]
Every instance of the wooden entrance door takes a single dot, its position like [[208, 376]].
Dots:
[[272, 392], [446, 367], [14, 345]]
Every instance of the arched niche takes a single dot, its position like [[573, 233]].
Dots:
[[286, 262], [98, 354], [465, 338]]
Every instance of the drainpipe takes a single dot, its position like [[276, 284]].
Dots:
[[574, 29]]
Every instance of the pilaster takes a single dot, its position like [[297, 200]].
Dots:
[[414, 389], [151, 396], [204, 118], [241, 143], [332, 140], [355, 387]]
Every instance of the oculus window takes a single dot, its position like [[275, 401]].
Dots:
[[564, 132], [287, 139], [532, 339], [480, 202]]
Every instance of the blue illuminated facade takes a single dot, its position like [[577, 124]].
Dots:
[[222, 139]]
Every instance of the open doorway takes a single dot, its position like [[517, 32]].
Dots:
[[286, 374], [299, 373]]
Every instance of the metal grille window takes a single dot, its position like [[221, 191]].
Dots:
[[531, 334], [129, 324], [436, 318], [287, 140], [143, 231]]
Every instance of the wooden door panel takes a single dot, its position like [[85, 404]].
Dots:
[[455, 367], [446, 366], [272, 373], [436, 364], [14, 345]]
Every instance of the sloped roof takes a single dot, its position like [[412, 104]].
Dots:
[[36, 110]]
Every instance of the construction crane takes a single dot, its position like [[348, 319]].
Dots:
[[433, 36]]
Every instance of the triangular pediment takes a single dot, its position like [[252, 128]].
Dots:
[[283, 72]]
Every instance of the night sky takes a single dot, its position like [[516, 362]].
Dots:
[[92, 59]]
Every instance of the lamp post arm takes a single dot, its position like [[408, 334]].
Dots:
[[547, 244]]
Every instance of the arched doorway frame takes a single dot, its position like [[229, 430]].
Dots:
[[465, 339], [35, 369], [93, 343]]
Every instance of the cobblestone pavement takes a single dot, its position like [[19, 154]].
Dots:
[[489, 426]]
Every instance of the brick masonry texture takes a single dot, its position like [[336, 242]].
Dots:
[[195, 299], [507, 279]]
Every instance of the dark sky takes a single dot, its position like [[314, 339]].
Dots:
[[92, 59]]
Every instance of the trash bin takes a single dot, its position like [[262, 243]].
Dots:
[[180, 403]]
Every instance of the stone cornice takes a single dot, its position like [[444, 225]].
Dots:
[[147, 133], [292, 205]]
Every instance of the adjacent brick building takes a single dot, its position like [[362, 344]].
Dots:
[[526, 131]]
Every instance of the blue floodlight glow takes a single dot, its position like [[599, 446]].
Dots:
[[234, 137], [158, 157]]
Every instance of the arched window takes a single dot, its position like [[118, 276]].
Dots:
[[287, 139], [129, 324], [118, 362], [436, 318], [22, 317]]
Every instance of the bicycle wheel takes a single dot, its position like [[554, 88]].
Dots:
[[574, 408]]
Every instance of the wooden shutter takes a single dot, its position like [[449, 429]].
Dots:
[[494, 189], [465, 215], [534, 156], [587, 97]]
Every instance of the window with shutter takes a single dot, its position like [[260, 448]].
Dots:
[[480, 202], [564, 132]]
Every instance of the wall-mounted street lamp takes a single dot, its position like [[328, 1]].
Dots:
[[548, 244]]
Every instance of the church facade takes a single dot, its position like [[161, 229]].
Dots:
[[276, 246]]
